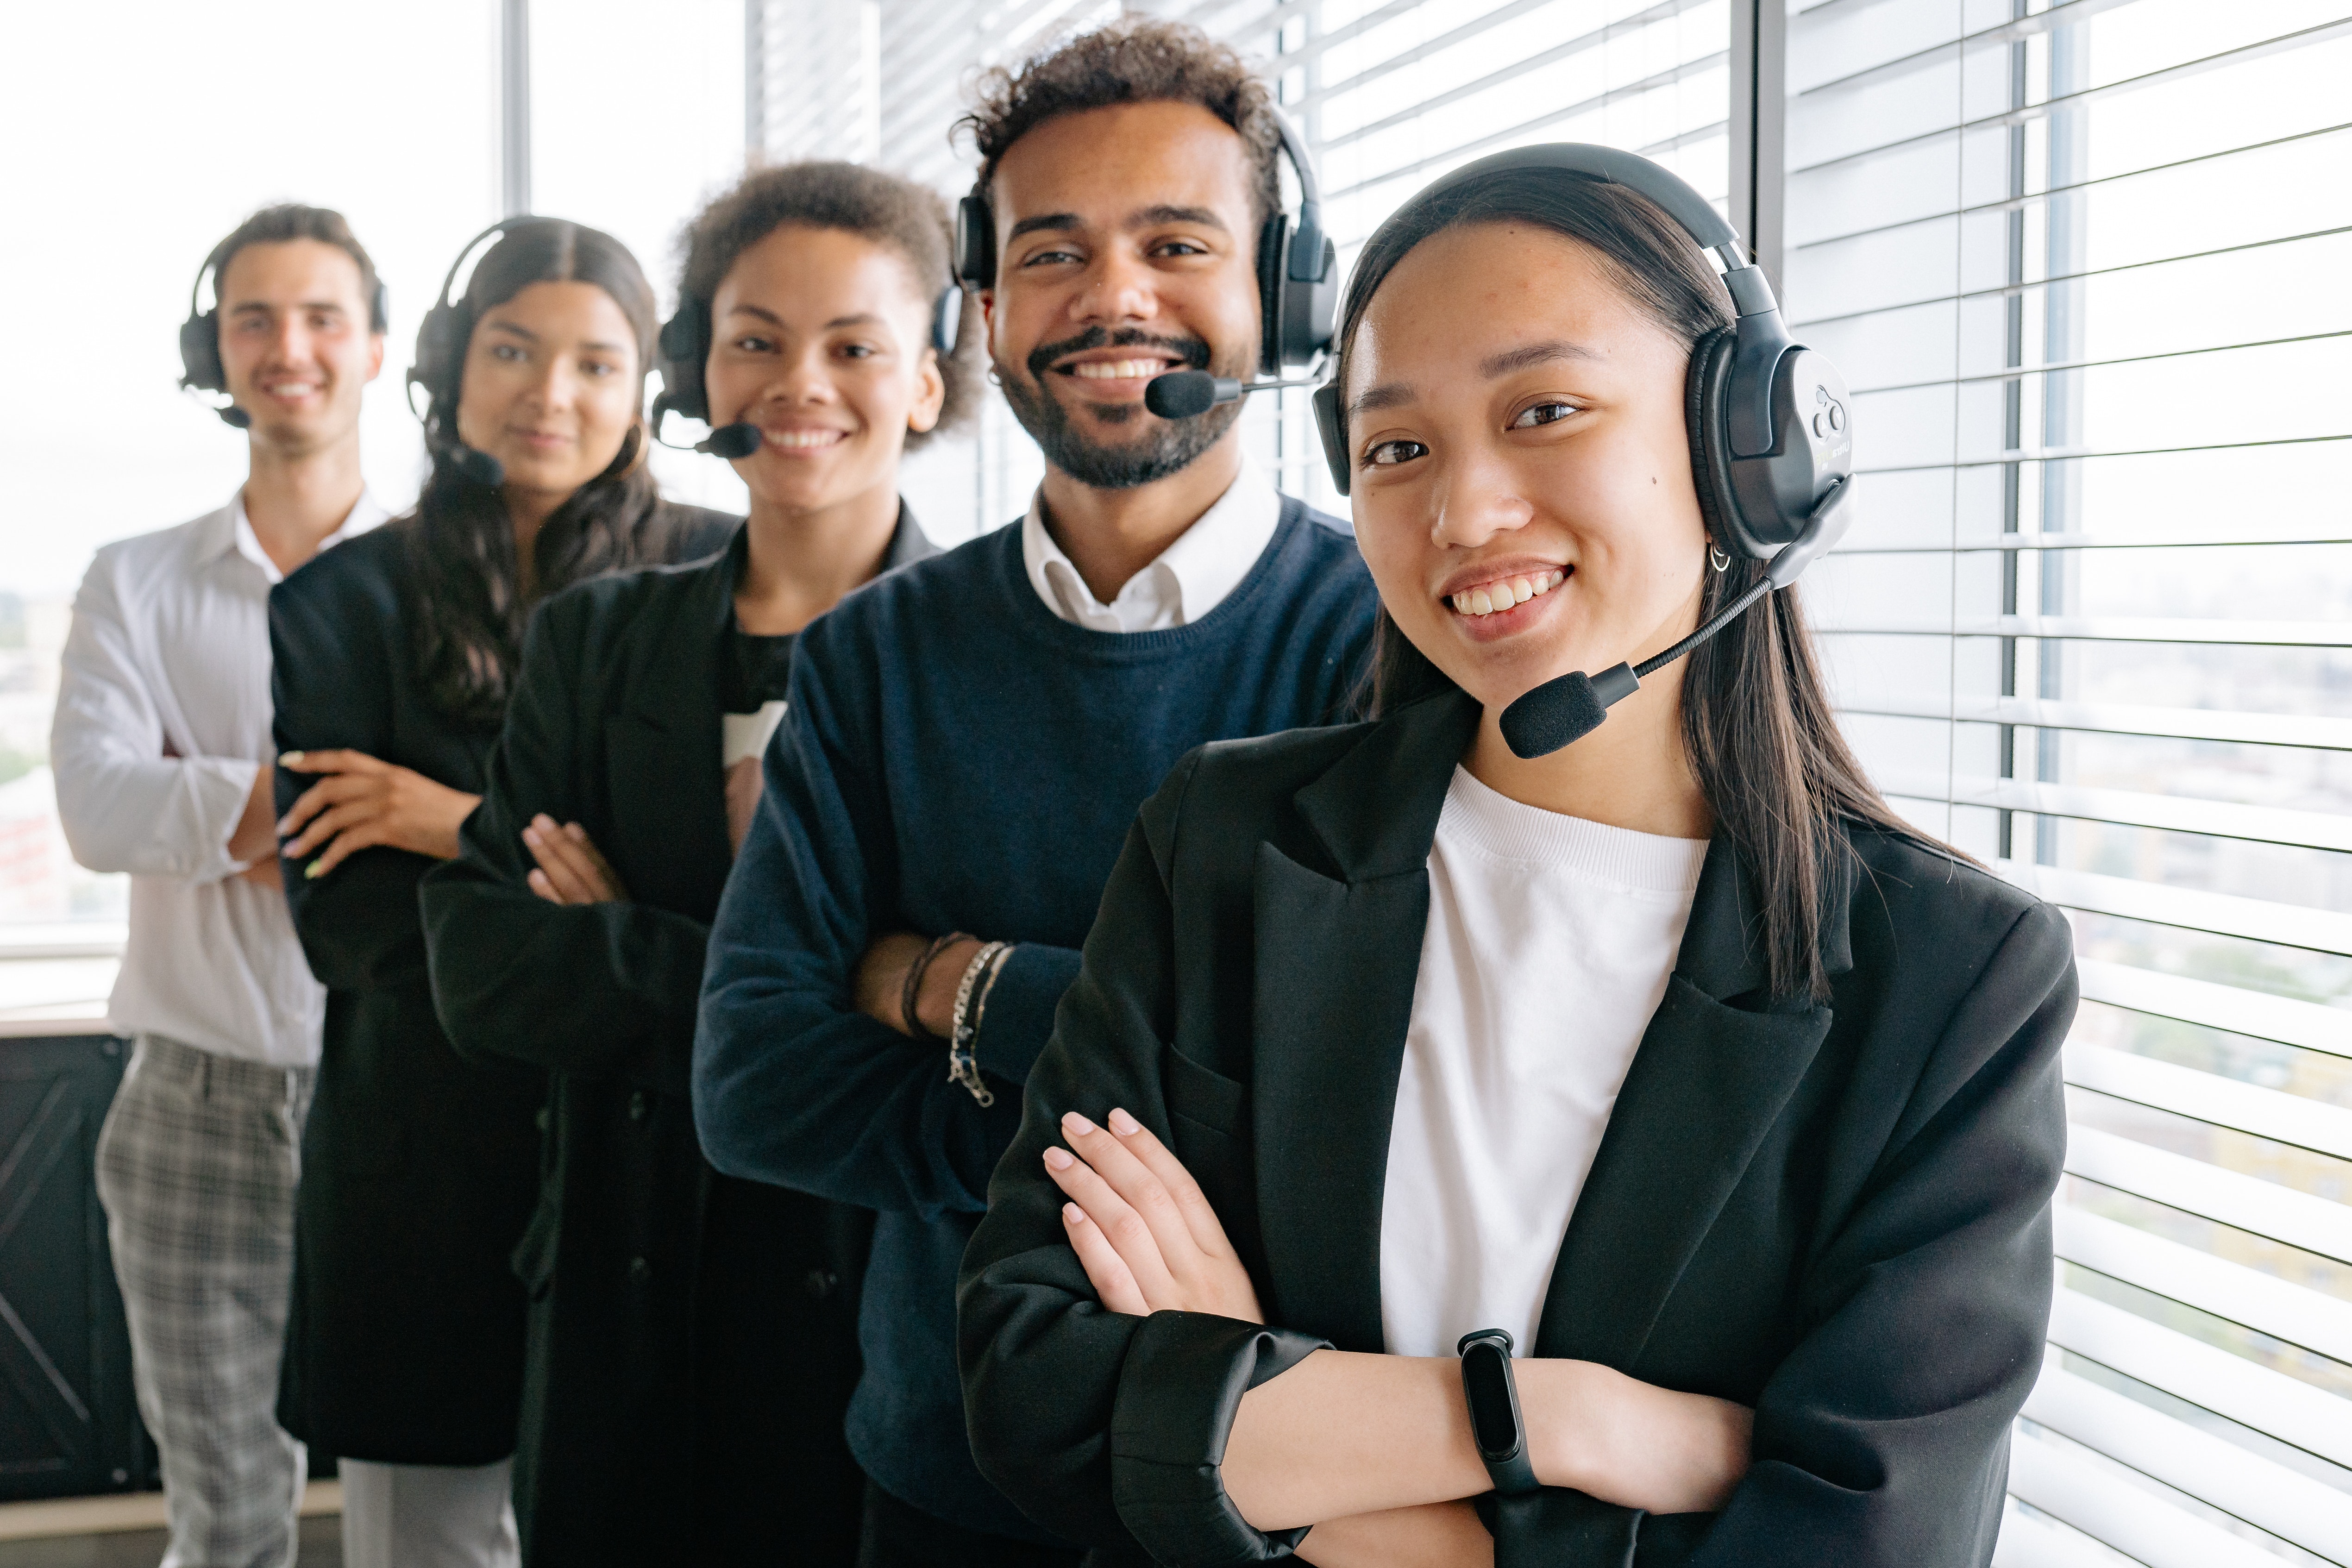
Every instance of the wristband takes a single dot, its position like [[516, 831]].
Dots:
[[1493, 1395]]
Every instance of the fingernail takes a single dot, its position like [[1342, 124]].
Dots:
[[1059, 1160], [1077, 1124], [316, 870], [530, 834], [1074, 1213], [1123, 1124], [577, 832], [288, 759], [284, 828]]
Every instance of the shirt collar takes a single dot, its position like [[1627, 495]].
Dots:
[[1190, 578], [365, 513]]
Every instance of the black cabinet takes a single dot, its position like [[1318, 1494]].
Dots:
[[69, 1420]]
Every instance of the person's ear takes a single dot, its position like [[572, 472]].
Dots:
[[375, 355], [931, 395]]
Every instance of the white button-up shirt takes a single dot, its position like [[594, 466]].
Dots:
[[1188, 580], [163, 720]]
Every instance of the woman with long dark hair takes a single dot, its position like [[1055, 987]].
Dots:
[[693, 1337], [1671, 1060], [393, 663]]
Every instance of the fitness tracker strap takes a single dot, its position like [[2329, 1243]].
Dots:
[[1493, 1395]]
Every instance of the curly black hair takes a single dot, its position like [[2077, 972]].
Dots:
[[1135, 60]]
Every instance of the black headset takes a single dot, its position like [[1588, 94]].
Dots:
[[685, 346], [1771, 431], [1297, 267], [1770, 418], [200, 358], [448, 329]]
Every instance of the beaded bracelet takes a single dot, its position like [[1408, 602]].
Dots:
[[963, 1063], [913, 985]]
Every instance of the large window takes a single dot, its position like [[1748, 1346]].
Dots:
[[2083, 265]]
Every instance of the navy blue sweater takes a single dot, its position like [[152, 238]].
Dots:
[[957, 758]]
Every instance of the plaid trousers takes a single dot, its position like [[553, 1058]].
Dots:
[[197, 1168]]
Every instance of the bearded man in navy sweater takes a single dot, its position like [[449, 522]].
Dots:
[[967, 739]]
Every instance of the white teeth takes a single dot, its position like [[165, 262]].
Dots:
[[1489, 597], [798, 440], [1118, 369]]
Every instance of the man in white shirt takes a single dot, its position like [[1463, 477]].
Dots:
[[162, 749]]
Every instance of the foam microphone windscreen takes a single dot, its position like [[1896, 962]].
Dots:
[[235, 418], [1180, 393], [481, 467], [739, 439], [1552, 715]]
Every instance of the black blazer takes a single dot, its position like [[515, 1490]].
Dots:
[[640, 1256], [1838, 1214], [405, 1340]]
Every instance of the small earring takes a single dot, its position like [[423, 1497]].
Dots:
[[994, 379], [1717, 558]]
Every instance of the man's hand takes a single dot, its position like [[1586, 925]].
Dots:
[[1142, 1226], [880, 985], [361, 803], [571, 869], [254, 837]]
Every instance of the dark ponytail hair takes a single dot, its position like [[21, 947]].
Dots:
[[1757, 721], [468, 611]]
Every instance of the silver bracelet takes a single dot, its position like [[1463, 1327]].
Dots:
[[963, 1065]]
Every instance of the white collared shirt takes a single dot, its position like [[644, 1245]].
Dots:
[[162, 720], [1188, 580]]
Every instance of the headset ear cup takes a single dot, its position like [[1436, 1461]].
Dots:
[[975, 243], [684, 343], [200, 361], [1702, 388], [1273, 286], [947, 319], [1331, 426]]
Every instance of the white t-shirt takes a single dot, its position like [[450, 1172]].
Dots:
[[1549, 946]]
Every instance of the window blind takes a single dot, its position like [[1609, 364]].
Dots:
[[2083, 264], [1389, 95]]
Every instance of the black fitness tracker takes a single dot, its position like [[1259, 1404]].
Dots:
[[1493, 1399]]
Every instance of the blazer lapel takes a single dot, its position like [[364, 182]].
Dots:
[[1706, 1083], [1336, 962], [667, 780]]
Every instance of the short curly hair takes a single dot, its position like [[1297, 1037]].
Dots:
[[1135, 60], [895, 214]]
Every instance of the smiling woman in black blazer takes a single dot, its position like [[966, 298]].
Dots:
[[693, 1340], [403, 1353], [1674, 1053]]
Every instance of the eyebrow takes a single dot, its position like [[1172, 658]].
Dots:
[[1529, 354], [856, 319], [246, 307], [1390, 394], [1146, 217]]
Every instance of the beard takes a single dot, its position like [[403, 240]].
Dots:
[[1162, 448]]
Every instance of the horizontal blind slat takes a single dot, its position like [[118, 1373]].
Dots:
[[2131, 808], [2246, 1297], [2248, 1203], [2029, 1541], [2291, 1119], [2121, 719], [2067, 1486], [2229, 1385], [2221, 914], [1984, 543], [2111, 628], [2264, 1494], [2308, 1025]]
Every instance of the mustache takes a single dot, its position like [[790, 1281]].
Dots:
[[1193, 352]]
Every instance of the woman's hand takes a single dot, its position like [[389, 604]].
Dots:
[[571, 869], [1142, 1226], [362, 803]]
